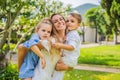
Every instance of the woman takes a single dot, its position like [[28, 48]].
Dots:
[[71, 46], [40, 74], [60, 26], [52, 59]]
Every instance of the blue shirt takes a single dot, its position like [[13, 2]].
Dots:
[[31, 59]]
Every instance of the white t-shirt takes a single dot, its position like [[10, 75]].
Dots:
[[70, 57]]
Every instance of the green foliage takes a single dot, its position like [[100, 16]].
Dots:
[[101, 55], [112, 8], [106, 4], [115, 12], [90, 75], [97, 17], [18, 18], [9, 73], [90, 16]]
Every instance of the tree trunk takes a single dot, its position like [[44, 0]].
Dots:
[[5, 34], [96, 34], [115, 31], [3, 61], [83, 37], [115, 38], [83, 30]]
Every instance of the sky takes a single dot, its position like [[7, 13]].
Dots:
[[76, 3]]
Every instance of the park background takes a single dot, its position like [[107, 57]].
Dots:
[[100, 25]]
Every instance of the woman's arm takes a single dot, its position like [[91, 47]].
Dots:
[[22, 51]]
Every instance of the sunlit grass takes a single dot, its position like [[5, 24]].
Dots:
[[102, 55], [90, 75]]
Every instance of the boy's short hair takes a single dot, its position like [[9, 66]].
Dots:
[[77, 16]]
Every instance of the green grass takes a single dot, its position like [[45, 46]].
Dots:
[[90, 75], [101, 55]]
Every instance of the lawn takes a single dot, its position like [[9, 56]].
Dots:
[[90, 75], [101, 55]]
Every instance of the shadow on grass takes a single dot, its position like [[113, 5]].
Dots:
[[100, 60]]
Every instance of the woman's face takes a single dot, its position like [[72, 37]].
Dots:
[[59, 22]]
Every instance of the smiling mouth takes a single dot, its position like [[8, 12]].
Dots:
[[45, 37]]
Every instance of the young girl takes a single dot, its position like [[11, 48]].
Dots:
[[43, 32], [71, 48]]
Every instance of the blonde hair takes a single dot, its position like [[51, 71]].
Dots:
[[45, 21]]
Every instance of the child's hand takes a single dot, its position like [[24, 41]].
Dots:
[[43, 63], [57, 45]]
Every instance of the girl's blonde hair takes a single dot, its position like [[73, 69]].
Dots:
[[45, 21]]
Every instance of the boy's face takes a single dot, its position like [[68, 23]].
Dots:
[[72, 23], [44, 31]]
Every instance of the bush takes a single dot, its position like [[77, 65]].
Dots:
[[9, 73]]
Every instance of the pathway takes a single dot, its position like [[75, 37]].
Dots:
[[94, 68]]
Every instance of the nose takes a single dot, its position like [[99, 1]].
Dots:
[[46, 33]]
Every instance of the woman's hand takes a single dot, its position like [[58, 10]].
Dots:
[[60, 66]]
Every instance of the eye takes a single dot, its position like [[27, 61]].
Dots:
[[49, 31], [67, 20], [72, 21], [43, 30]]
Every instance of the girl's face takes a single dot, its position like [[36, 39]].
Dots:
[[59, 22], [44, 31], [72, 23]]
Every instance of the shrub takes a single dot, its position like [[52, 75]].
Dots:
[[9, 73]]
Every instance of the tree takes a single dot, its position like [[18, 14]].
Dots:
[[98, 19], [112, 8], [20, 16], [9, 10], [91, 18]]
